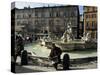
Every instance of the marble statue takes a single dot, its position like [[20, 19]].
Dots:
[[67, 36]]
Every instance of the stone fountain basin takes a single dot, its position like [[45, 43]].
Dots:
[[76, 45], [71, 46]]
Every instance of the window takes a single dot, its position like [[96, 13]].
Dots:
[[72, 14], [43, 22], [18, 16], [95, 15], [51, 22], [24, 22], [29, 15], [33, 15], [80, 27], [57, 14], [51, 14], [36, 14], [89, 16], [88, 9], [65, 14], [93, 9], [87, 25], [57, 22], [43, 14], [36, 22], [86, 16], [93, 24], [18, 22], [25, 16]]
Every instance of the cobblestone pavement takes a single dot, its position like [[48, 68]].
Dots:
[[37, 67], [30, 68]]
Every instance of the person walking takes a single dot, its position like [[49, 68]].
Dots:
[[20, 46]]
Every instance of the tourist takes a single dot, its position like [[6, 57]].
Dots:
[[55, 55], [20, 45]]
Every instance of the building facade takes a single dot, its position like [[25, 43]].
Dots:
[[90, 20], [51, 20]]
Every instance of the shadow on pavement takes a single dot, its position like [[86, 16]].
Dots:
[[70, 69], [22, 69]]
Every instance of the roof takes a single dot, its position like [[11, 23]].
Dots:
[[27, 8]]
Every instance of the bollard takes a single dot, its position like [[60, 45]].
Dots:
[[66, 62], [24, 58]]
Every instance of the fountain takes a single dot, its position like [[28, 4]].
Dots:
[[89, 42], [67, 42]]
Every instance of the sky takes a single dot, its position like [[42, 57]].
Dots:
[[21, 5]]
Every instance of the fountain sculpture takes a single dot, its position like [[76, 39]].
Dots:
[[67, 36], [86, 36]]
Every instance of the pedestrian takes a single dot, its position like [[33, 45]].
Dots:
[[55, 55], [20, 46]]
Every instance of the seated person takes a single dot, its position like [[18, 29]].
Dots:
[[55, 55]]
